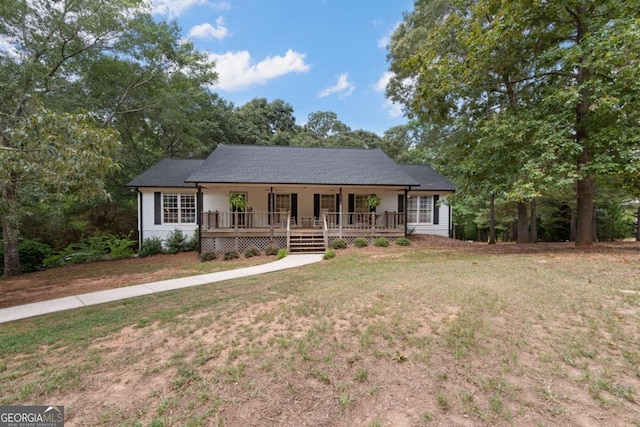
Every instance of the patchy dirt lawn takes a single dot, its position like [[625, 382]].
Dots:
[[97, 276], [442, 333]]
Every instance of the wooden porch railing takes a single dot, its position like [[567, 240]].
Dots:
[[356, 220], [283, 220], [222, 219]]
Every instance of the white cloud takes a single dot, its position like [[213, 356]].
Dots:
[[384, 41], [393, 110], [8, 46], [175, 8], [343, 87], [208, 31], [383, 81], [236, 71]]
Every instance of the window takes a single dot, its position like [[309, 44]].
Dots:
[[420, 210], [328, 202], [179, 208], [282, 202], [361, 203]]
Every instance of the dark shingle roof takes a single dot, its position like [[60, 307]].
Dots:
[[428, 178], [167, 173], [299, 165]]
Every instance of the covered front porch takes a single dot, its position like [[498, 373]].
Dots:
[[280, 214], [226, 230]]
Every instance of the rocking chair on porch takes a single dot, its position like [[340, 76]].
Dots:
[[283, 219], [317, 221]]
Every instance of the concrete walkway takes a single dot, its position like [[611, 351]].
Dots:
[[60, 304]]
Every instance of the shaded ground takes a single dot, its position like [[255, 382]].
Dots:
[[97, 276]]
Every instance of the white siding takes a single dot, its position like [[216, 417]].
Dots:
[[216, 199], [440, 229], [149, 227]]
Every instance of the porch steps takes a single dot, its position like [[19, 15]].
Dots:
[[306, 241]]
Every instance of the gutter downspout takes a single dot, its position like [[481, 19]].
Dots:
[[450, 221], [140, 221], [340, 219], [199, 217], [406, 215]]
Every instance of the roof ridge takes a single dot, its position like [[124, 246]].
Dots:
[[298, 146]]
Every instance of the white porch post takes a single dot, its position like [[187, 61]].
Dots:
[[340, 218]]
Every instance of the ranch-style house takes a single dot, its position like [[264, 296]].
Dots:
[[299, 198]]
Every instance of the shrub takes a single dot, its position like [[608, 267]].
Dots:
[[228, 255], [281, 253], [118, 247], [403, 241], [176, 240], [251, 252], [94, 248], [32, 255], [209, 256], [381, 242], [338, 244], [192, 243], [271, 250], [329, 254], [360, 242], [150, 246]]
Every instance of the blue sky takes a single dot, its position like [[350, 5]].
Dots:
[[317, 55]]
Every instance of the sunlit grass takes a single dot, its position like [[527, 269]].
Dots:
[[491, 337]]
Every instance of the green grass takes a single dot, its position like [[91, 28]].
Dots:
[[501, 339]]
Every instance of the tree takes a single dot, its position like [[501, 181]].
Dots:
[[546, 92], [55, 135], [266, 123], [325, 129]]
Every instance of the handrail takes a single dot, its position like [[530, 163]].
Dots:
[[325, 229], [288, 229]]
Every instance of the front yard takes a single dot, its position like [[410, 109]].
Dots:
[[425, 335]]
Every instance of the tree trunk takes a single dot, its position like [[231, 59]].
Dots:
[[492, 220], [572, 226], [523, 223], [638, 225], [584, 213], [513, 231], [584, 230], [9, 232], [534, 222]]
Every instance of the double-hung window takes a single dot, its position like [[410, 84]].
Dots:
[[328, 203], [420, 209], [361, 203], [283, 202], [179, 208]]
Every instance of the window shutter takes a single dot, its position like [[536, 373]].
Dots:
[[436, 210], [294, 205], [338, 207], [316, 205], [400, 203], [269, 207], [199, 207], [352, 207], [157, 205]]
